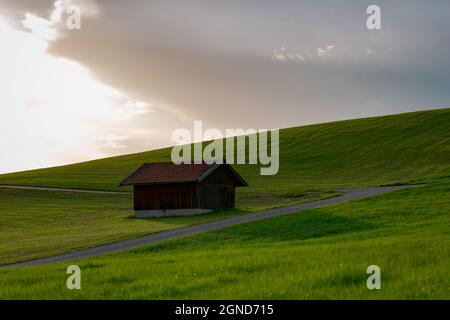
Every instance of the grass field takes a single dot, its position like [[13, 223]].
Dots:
[[321, 253], [318, 254], [362, 152], [35, 223]]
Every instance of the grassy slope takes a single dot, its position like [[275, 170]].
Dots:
[[322, 253], [383, 150], [371, 151], [41, 223]]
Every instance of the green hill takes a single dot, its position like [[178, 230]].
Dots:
[[319, 254], [371, 151]]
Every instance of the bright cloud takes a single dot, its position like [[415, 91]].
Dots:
[[283, 54], [114, 141], [133, 108], [47, 28], [41, 27], [51, 109], [326, 51]]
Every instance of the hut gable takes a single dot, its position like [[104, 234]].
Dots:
[[223, 175]]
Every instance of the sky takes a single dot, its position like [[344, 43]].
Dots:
[[139, 69]]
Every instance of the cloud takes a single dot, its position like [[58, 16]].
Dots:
[[283, 54], [52, 111], [113, 141], [325, 51], [49, 28], [133, 108], [39, 26], [48, 105], [208, 60]]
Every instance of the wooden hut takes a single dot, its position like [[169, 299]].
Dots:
[[167, 189]]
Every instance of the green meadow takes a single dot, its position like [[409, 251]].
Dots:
[[317, 254], [320, 253], [39, 223]]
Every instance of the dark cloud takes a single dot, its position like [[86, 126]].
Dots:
[[210, 60]]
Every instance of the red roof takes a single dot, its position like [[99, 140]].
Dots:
[[160, 173]]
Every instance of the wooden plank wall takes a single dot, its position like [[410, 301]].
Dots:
[[214, 195], [171, 196]]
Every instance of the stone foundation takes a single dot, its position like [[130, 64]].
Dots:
[[170, 213]]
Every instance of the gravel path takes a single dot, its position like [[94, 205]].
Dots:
[[61, 189]]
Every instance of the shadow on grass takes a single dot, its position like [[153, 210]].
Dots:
[[294, 227], [249, 203], [186, 220], [301, 226]]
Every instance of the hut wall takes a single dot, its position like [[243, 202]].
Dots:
[[218, 190], [215, 195], [170, 196]]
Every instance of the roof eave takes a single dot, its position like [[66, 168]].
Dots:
[[159, 183], [123, 182]]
